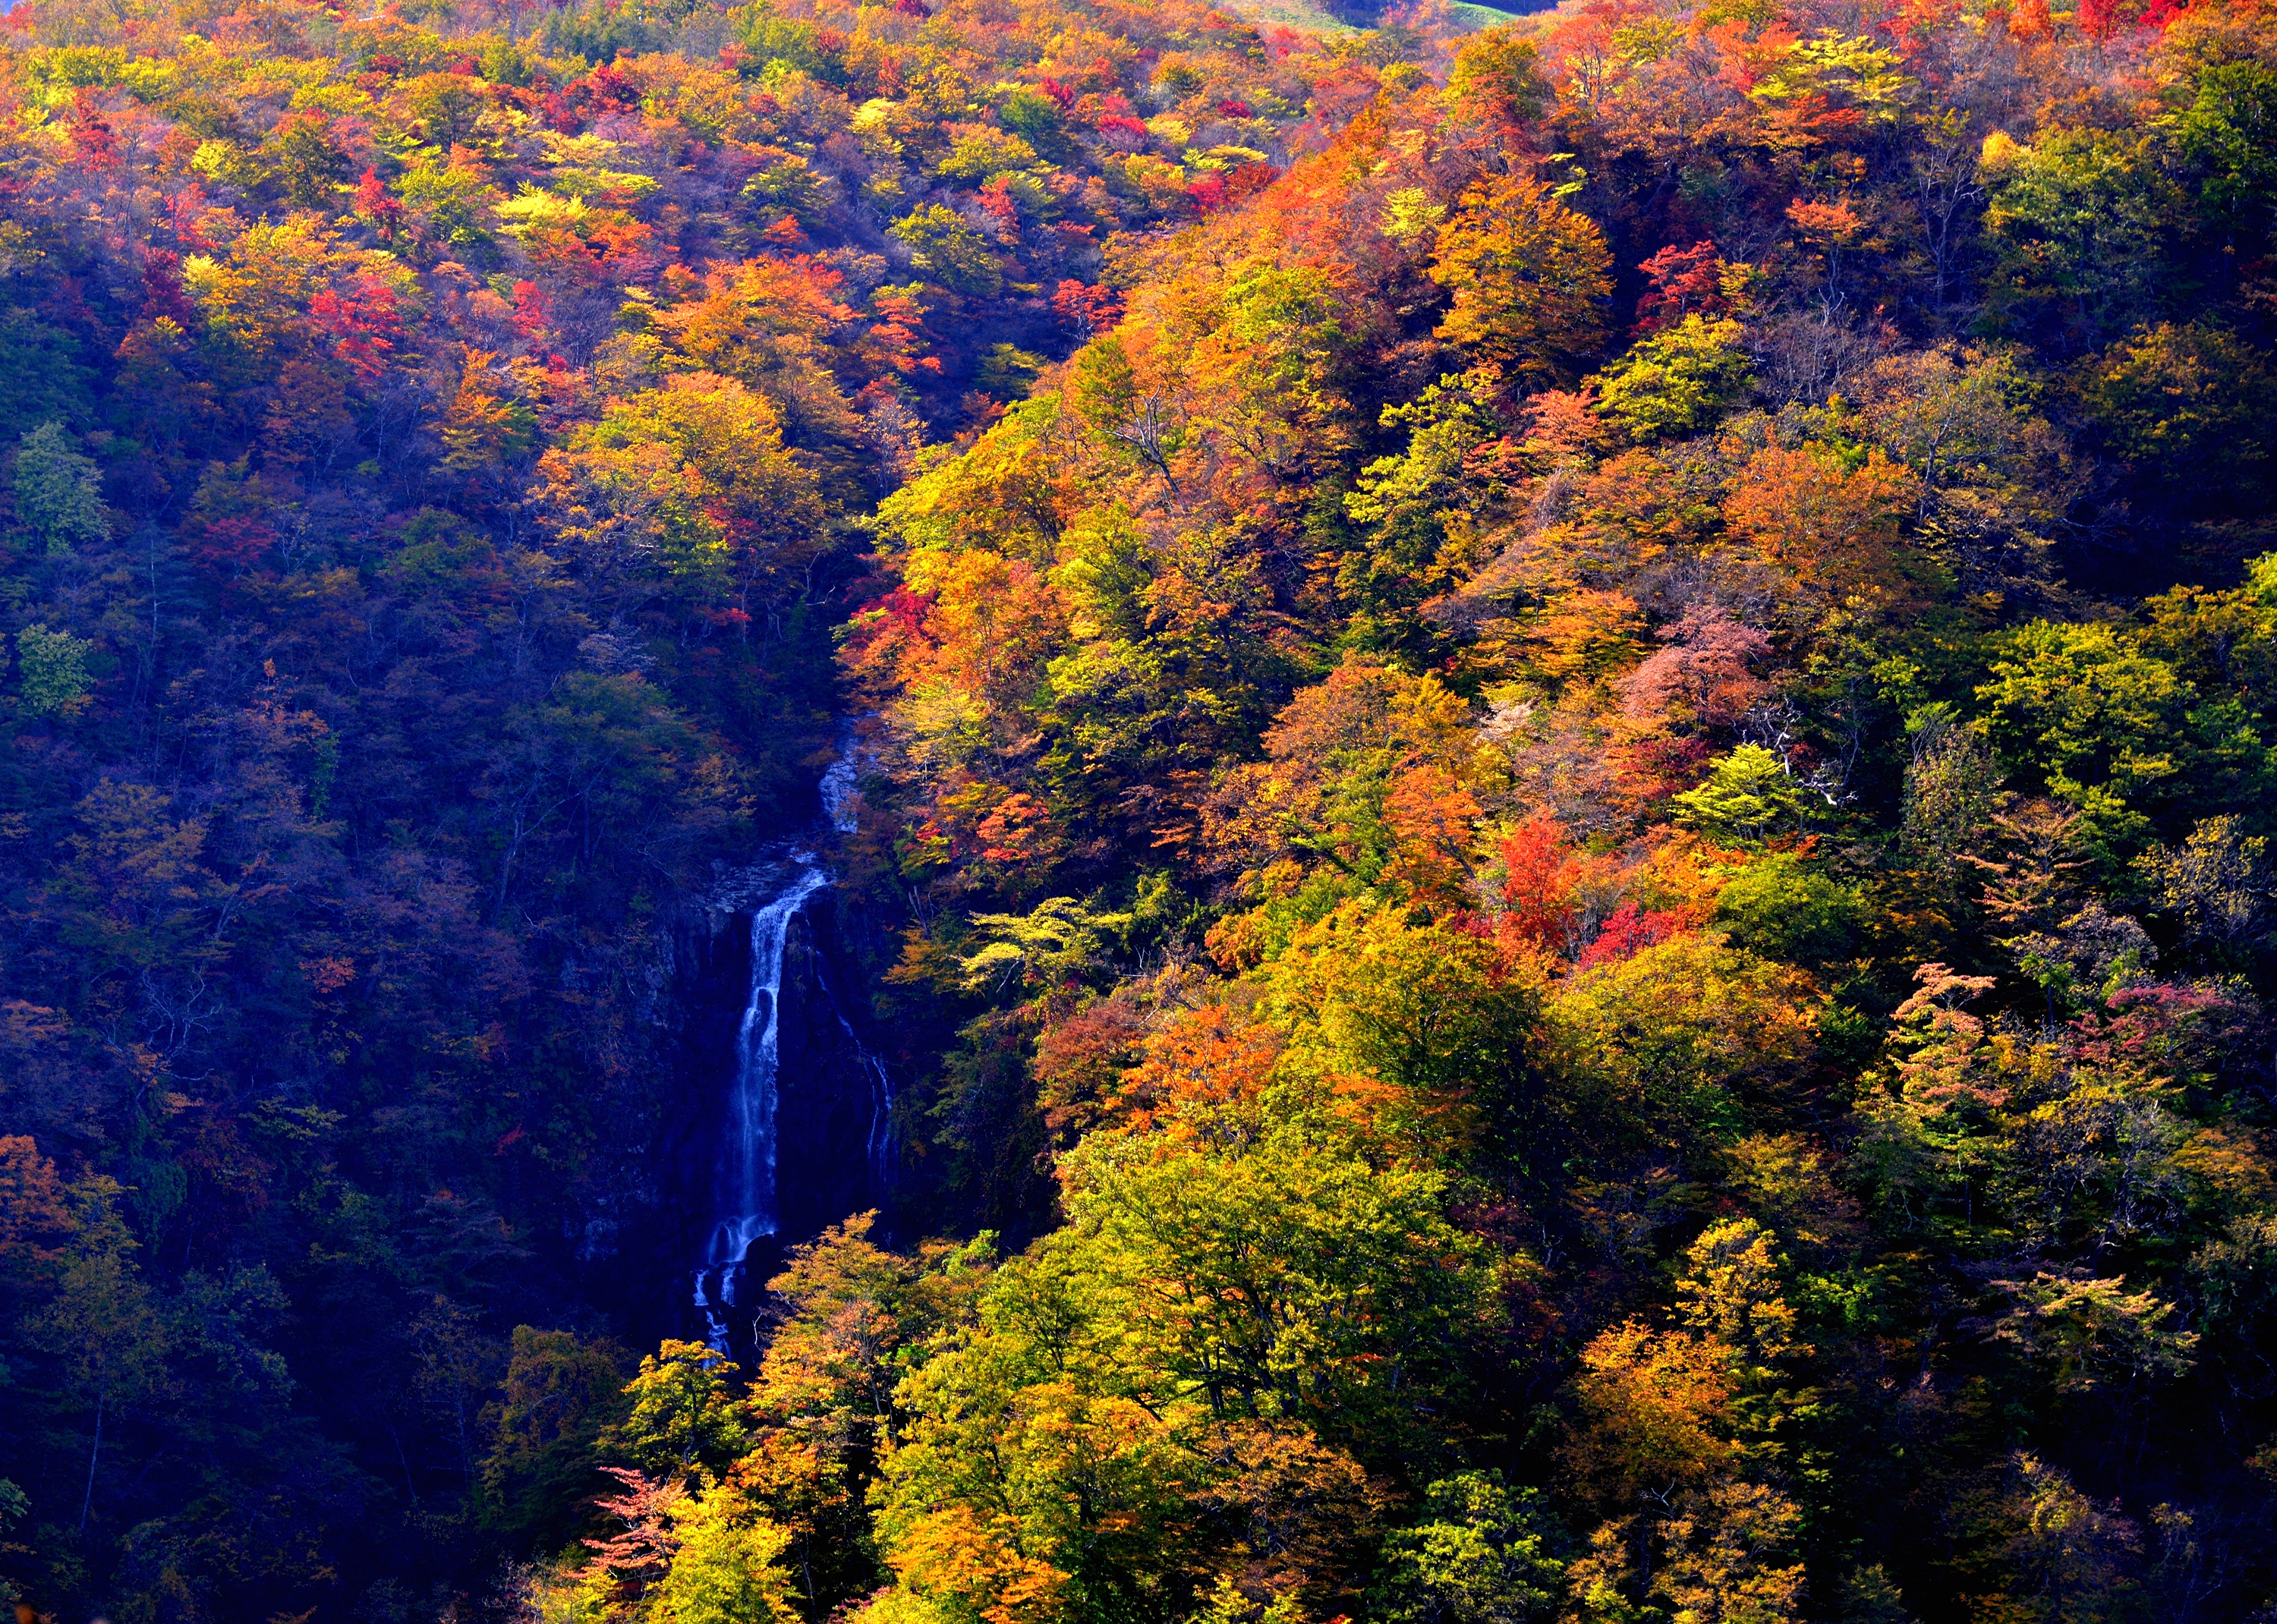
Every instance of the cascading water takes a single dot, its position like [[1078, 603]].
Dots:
[[744, 1203], [838, 792], [744, 1197]]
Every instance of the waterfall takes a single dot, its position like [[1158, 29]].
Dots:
[[745, 1199], [744, 1192]]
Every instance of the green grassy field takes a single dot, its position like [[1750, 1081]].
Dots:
[[1299, 14], [1296, 14], [1488, 16]]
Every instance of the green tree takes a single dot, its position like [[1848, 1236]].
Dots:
[[2084, 708], [1953, 789], [1007, 371], [1425, 1015], [684, 1419], [559, 1396], [1479, 1553], [306, 160], [1498, 68], [728, 1567], [2228, 135], [1289, 1277], [945, 249], [41, 374], [1423, 509], [1030, 1483], [1676, 1046], [2083, 223], [58, 491], [693, 483], [2189, 407], [15, 1506], [1037, 119], [851, 1319], [1851, 68], [2217, 886], [1146, 424], [1675, 382], [1784, 908], [52, 668], [448, 106], [1748, 796]]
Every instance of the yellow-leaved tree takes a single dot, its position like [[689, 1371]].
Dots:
[[1530, 279]]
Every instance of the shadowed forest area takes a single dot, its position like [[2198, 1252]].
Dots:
[[1562, 829]]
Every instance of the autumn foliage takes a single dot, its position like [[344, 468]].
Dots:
[[1564, 736]]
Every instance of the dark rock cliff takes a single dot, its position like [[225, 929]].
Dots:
[[833, 1147]]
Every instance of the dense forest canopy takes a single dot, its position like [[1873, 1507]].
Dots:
[[1562, 787]]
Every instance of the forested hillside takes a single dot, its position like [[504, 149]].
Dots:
[[1562, 764]]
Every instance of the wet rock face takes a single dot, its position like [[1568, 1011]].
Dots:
[[648, 1203], [830, 1109]]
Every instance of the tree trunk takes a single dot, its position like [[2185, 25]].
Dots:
[[93, 1455]]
